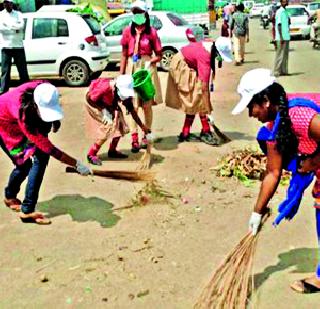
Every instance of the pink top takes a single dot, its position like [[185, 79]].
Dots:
[[198, 59], [301, 118], [13, 132], [100, 92], [149, 43]]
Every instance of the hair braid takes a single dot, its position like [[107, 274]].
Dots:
[[287, 142]]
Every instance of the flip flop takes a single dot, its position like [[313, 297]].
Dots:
[[13, 203], [35, 217], [307, 288]]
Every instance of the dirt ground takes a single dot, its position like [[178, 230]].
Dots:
[[158, 255]]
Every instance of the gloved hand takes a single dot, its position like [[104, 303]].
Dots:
[[150, 137], [107, 117], [83, 169], [211, 118], [254, 222]]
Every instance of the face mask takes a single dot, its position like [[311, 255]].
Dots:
[[139, 19]]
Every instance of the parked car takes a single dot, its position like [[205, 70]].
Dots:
[[173, 31], [63, 45], [299, 21], [312, 7], [256, 10]]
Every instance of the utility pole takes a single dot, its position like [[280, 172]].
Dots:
[[212, 15]]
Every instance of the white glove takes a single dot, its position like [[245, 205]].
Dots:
[[254, 223], [211, 119], [147, 65], [150, 137], [83, 169], [107, 117]]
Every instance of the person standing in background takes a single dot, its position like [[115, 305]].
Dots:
[[282, 40], [239, 32], [11, 41], [141, 49]]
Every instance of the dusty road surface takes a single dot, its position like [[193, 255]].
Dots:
[[157, 255]]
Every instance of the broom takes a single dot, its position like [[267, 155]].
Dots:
[[122, 175], [231, 285]]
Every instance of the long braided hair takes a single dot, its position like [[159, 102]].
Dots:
[[214, 53], [286, 140]]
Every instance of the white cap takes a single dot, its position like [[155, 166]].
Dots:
[[124, 85], [224, 47], [250, 84], [8, 1], [46, 97], [139, 4]]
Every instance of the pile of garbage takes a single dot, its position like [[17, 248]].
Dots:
[[247, 164]]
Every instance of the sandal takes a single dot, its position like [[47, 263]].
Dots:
[[35, 217], [13, 203], [301, 286]]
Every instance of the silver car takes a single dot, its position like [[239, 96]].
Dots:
[[173, 30]]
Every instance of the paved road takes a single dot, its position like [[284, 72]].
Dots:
[[79, 255]]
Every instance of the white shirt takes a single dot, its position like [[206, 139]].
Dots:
[[11, 29]]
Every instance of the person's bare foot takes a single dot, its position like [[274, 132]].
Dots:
[[307, 286], [35, 217]]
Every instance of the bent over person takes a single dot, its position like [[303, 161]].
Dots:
[[293, 131], [189, 79], [27, 114]]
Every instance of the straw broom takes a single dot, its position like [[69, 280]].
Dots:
[[145, 161], [121, 175], [231, 285]]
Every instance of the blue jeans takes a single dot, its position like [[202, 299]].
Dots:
[[33, 169]]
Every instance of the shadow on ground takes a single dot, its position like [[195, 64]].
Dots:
[[81, 209], [304, 260]]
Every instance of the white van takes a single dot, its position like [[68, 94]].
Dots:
[[63, 45]]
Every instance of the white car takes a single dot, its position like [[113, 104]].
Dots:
[[174, 33], [312, 7], [63, 45], [299, 21], [256, 10]]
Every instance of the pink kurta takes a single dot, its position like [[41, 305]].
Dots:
[[198, 59], [13, 131], [148, 44]]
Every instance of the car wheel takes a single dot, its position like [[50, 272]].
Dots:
[[167, 55], [95, 75], [76, 73]]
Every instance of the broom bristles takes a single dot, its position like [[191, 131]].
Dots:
[[121, 175], [231, 284], [145, 161]]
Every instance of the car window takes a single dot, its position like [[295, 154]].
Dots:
[[116, 27], [297, 11], [155, 22], [92, 23], [314, 6], [49, 27], [177, 20]]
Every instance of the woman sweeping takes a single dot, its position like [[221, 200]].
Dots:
[[27, 114], [294, 128], [188, 87], [103, 99], [141, 48]]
